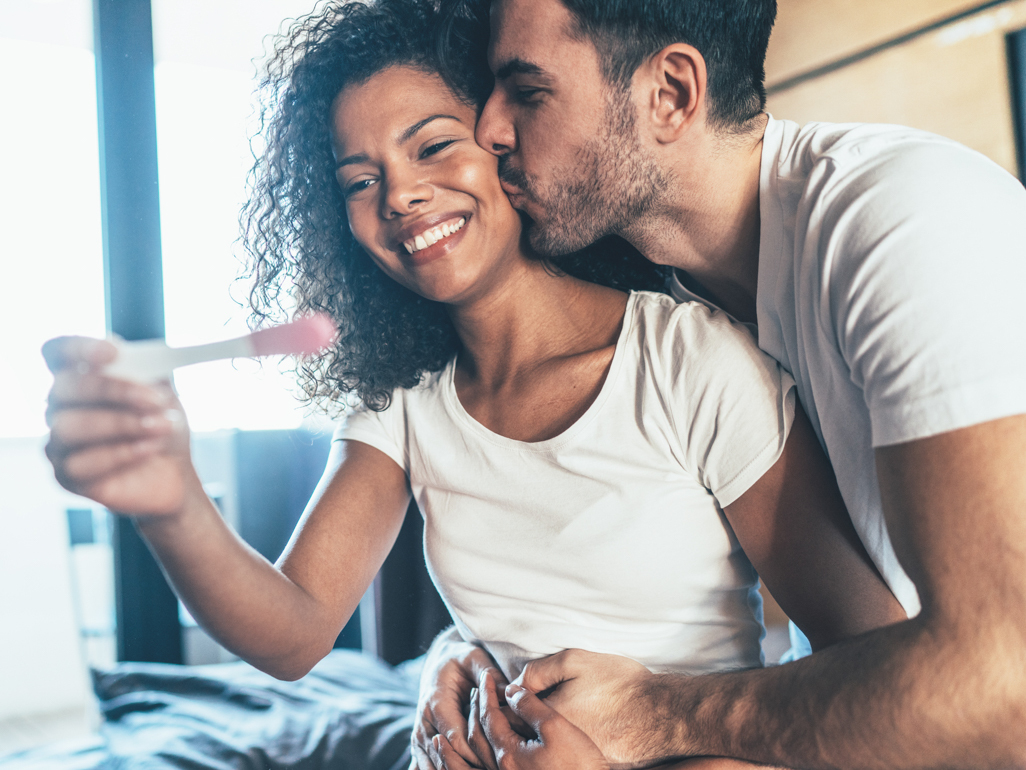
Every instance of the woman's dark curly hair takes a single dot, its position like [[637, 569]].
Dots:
[[301, 251]]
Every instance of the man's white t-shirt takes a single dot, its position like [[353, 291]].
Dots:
[[892, 284], [609, 537]]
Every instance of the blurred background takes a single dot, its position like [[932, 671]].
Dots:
[[947, 66]]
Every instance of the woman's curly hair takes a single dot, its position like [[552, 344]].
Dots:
[[301, 252]]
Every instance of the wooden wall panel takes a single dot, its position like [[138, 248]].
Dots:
[[812, 33], [953, 82]]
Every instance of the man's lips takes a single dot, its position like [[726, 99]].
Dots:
[[509, 188]]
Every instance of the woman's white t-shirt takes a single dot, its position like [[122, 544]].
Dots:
[[609, 537]]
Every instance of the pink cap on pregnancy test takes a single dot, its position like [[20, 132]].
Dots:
[[152, 360]]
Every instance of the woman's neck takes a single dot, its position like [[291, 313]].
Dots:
[[531, 318]]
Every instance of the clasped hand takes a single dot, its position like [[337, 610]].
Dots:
[[471, 717]]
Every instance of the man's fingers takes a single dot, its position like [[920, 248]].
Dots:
[[534, 711], [64, 352], [542, 675]]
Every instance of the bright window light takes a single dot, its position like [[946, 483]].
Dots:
[[52, 252], [205, 82]]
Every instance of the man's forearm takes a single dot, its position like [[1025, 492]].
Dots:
[[900, 697]]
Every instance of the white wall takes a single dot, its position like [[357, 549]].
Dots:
[[41, 667]]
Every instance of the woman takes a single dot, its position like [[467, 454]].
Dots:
[[577, 451]]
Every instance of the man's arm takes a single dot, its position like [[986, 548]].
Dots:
[[946, 689]]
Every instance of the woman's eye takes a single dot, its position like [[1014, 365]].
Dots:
[[435, 148], [357, 186]]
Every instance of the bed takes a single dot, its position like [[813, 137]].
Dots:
[[352, 712]]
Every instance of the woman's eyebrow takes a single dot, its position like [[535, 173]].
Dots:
[[404, 137], [350, 160], [410, 132]]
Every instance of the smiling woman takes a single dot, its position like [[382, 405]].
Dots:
[[301, 227]]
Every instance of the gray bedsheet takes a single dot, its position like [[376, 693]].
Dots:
[[351, 712]]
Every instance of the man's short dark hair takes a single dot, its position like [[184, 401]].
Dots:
[[732, 35]]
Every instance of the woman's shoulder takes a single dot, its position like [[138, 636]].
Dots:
[[686, 328]]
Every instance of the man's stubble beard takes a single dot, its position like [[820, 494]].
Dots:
[[607, 189]]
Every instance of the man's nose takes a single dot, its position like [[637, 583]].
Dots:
[[495, 131]]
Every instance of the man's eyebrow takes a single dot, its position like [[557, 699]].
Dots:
[[517, 67], [404, 137]]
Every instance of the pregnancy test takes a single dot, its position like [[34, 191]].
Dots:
[[148, 361]]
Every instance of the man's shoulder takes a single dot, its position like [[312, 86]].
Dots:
[[849, 185], [845, 159]]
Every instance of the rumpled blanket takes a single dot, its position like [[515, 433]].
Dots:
[[352, 712]]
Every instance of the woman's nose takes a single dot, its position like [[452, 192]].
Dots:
[[495, 131], [403, 194]]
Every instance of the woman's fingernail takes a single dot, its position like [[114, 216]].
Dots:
[[513, 689]]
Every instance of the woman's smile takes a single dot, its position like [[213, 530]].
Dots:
[[432, 235]]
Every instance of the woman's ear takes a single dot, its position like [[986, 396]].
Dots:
[[676, 80]]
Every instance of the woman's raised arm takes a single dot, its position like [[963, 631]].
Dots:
[[126, 446]]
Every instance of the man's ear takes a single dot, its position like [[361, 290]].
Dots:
[[675, 81]]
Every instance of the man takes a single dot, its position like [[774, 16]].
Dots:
[[882, 267]]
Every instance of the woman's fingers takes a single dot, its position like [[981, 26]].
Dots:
[[77, 352], [444, 711], [445, 757], [71, 389], [71, 429], [419, 759], [476, 734], [90, 465]]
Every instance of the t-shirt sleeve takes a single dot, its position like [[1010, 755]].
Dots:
[[732, 405], [925, 259], [384, 430]]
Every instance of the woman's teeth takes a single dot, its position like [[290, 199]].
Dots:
[[433, 236]]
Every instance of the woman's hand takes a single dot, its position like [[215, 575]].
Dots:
[[451, 673], [548, 742], [124, 445]]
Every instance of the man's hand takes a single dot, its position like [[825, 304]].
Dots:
[[554, 742], [594, 692], [451, 673]]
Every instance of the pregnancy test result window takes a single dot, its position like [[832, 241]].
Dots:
[[205, 79]]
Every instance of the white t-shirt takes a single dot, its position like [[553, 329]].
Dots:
[[609, 537], [892, 276]]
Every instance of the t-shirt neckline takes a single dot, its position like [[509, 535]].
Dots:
[[463, 417]]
